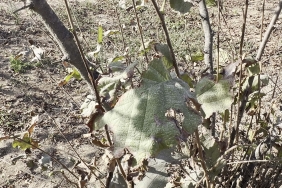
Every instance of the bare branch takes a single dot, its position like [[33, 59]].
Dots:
[[268, 31], [62, 36], [208, 34]]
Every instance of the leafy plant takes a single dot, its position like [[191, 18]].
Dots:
[[161, 114], [18, 65]]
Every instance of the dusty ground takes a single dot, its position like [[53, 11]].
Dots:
[[36, 91]]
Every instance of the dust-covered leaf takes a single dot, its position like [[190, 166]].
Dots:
[[230, 70], [157, 176], [211, 149], [45, 161], [180, 6], [186, 78], [88, 107], [164, 50], [147, 47], [156, 73], [254, 69], [138, 120], [38, 53], [214, 97], [264, 80]]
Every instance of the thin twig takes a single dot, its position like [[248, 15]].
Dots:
[[218, 29], [238, 101], [65, 167], [120, 26], [140, 31], [75, 150], [259, 91], [202, 158], [244, 27], [268, 31], [98, 99], [255, 161], [161, 16], [241, 69], [262, 18], [232, 40]]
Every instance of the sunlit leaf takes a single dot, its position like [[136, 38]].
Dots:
[[214, 97], [186, 78], [139, 120], [156, 73], [100, 35], [147, 45], [111, 32], [23, 145], [180, 6], [164, 50], [210, 2], [118, 58], [264, 79], [199, 56], [254, 69]]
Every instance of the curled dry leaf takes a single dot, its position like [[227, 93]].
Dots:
[[34, 121]]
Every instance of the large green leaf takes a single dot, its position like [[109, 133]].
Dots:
[[139, 120], [214, 97], [180, 6]]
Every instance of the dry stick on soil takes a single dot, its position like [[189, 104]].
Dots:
[[262, 18], [90, 76], [76, 151], [140, 31], [62, 36], [268, 31], [161, 16], [239, 114], [129, 184], [230, 35], [208, 34], [65, 167], [120, 26], [202, 160]]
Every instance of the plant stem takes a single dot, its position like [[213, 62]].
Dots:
[[92, 80], [140, 31], [244, 27], [120, 27], [202, 157], [208, 34], [161, 16], [218, 29], [241, 69]]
